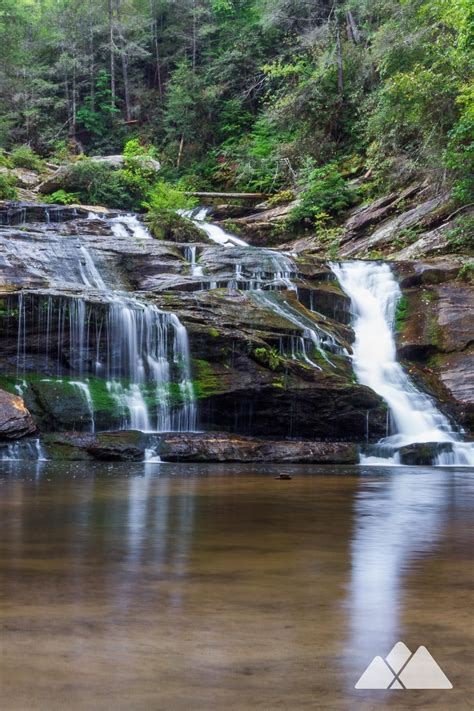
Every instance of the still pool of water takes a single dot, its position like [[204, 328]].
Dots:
[[219, 587]]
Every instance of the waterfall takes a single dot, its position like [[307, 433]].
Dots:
[[374, 293], [139, 352], [214, 232], [275, 273]]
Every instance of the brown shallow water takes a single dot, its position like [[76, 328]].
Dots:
[[208, 587]]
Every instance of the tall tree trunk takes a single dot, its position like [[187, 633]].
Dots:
[[194, 38], [124, 57], [157, 80], [180, 152], [352, 29], [340, 70], [112, 54], [74, 99], [91, 57]]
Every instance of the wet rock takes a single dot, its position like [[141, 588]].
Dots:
[[15, 419], [265, 227], [194, 447], [422, 454], [58, 406], [220, 447], [225, 212]]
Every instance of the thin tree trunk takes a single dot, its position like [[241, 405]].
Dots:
[[157, 80], [74, 99], [340, 69], [124, 57], [194, 42], [112, 54], [91, 57], [352, 29], [180, 152]]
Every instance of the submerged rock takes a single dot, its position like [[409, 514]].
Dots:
[[15, 419]]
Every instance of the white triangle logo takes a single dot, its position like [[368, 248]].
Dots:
[[403, 670]]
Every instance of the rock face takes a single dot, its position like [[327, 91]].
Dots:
[[15, 420], [269, 335], [194, 447], [436, 333]]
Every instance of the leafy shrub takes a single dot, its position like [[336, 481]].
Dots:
[[461, 235], [7, 187], [61, 197], [459, 155], [163, 203], [25, 157], [5, 161], [466, 273], [324, 191], [99, 184]]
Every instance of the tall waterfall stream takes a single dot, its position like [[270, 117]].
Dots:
[[414, 416]]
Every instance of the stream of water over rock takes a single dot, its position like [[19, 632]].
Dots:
[[415, 419], [86, 325], [141, 351]]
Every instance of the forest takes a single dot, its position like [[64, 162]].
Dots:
[[277, 96]]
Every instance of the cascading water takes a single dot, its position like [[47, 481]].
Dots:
[[214, 232], [100, 334], [374, 294], [275, 273]]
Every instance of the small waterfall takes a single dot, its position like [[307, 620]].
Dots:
[[214, 232], [141, 352], [374, 293], [29, 449], [275, 273], [129, 225], [190, 253], [84, 389]]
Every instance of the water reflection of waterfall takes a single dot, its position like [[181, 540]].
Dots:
[[396, 525], [374, 293]]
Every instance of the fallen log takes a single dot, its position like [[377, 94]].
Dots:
[[229, 196]]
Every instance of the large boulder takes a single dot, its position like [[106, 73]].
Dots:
[[15, 419]]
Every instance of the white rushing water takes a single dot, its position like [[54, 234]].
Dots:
[[214, 232], [374, 293], [138, 351]]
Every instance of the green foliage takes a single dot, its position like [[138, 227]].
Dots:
[[269, 357], [243, 94], [401, 313], [7, 187], [466, 273], [5, 161], [25, 157], [98, 184], [61, 197], [461, 236], [325, 193], [98, 111], [162, 205], [459, 155]]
